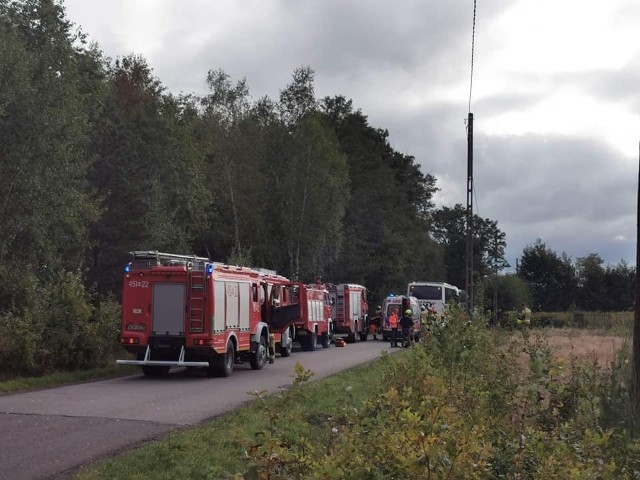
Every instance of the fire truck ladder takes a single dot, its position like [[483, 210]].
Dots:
[[155, 258], [340, 306], [197, 280]]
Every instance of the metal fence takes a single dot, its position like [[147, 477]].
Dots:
[[603, 320]]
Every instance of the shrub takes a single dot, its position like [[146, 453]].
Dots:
[[64, 327], [463, 404]]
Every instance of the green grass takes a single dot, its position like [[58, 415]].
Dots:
[[57, 379], [218, 448]]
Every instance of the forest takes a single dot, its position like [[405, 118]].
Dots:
[[98, 159]]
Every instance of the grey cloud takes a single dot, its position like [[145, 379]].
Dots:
[[575, 192]]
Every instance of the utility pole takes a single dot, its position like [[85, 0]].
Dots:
[[469, 245], [495, 280], [635, 381]]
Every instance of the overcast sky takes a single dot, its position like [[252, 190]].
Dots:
[[555, 97]]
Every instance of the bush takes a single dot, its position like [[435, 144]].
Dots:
[[463, 404], [64, 327]]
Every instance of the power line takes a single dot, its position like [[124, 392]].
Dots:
[[473, 44]]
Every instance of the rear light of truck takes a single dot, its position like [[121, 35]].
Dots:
[[130, 340], [203, 342]]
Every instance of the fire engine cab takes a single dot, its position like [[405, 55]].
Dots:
[[186, 311], [349, 310]]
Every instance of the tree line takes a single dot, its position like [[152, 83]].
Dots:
[[98, 159]]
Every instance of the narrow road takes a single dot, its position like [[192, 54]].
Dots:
[[49, 433]]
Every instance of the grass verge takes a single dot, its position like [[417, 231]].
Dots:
[[58, 379]]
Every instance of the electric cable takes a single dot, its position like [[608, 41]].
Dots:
[[473, 44]]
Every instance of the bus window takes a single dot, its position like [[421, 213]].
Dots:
[[426, 292]]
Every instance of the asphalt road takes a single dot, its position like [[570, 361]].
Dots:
[[51, 433]]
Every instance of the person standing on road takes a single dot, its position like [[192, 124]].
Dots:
[[406, 323], [376, 322], [393, 325]]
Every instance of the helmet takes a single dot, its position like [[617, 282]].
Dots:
[[408, 312]]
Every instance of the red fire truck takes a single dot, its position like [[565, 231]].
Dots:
[[349, 311], [306, 316], [314, 321], [180, 310]]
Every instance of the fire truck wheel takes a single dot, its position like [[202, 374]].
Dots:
[[313, 341], [222, 365], [285, 350], [325, 340], [259, 358]]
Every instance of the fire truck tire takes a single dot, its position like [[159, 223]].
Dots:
[[258, 359], [222, 365], [286, 343], [285, 350], [325, 340], [310, 341]]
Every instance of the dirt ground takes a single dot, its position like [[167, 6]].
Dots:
[[584, 345]]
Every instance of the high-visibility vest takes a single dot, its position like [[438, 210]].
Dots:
[[393, 321]]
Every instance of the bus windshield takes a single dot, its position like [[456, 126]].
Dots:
[[426, 292]]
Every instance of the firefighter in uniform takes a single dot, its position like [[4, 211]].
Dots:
[[393, 325], [424, 319], [406, 323], [524, 316], [376, 322]]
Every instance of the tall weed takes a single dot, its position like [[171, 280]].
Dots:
[[468, 402]]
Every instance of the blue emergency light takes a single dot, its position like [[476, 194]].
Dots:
[[127, 267], [210, 269]]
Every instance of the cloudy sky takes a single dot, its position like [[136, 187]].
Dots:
[[555, 95]]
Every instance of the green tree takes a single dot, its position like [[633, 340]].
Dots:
[[620, 281], [551, 277], [504, 293], [592, 290], [51, 87], [386, 235], [310, 193], [449, 229], [146, 171], [234, 146], [48, 87]]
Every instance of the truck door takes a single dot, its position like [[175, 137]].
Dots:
[[169, 308]]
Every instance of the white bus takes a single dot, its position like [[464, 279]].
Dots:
[[436, 294]]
